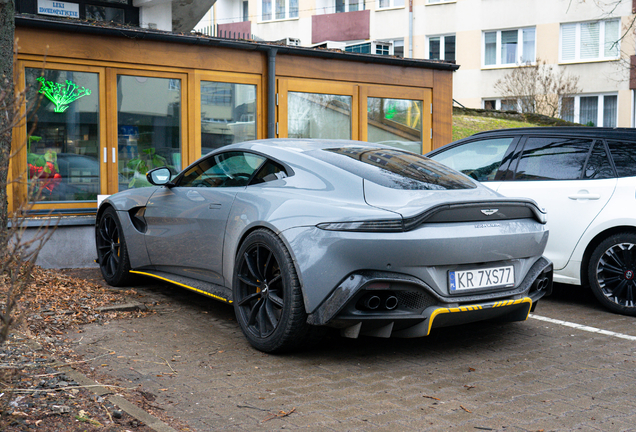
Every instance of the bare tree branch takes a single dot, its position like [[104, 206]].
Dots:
[[539, 88]]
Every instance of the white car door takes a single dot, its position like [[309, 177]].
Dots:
[[571, 178]]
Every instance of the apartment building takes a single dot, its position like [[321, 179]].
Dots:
[[592, 40]]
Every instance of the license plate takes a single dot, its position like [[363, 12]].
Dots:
[[482, 278]]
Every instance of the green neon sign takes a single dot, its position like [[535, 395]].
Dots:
[[62, 95]]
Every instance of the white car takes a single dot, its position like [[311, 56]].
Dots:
[[585, 178]]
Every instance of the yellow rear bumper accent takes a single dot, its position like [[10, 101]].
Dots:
[[477, 307], [216, 297]]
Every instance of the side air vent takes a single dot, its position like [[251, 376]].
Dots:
[[137, 218]]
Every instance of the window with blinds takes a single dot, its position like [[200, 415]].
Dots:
[[597, 40]]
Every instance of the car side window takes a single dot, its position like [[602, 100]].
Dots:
[[228, 169], [270, 171], [477, 159], [545, 158], [598, 165], [624, 155]]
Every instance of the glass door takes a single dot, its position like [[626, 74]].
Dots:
[[150, 126], [63, 137]]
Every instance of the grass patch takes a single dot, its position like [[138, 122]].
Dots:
[[464, 125]]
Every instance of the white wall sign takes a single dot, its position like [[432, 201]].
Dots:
[[58, 8]]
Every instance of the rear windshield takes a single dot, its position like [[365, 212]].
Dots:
[[394, 168]]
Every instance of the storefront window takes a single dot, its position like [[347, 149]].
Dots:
[[103, 13], [395, 122], [63, 142], [314, 115], [228, 114], [149, 127]]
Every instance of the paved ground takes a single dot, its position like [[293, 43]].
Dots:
[[528, 376]]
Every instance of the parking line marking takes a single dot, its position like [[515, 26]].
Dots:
[[583, 327]]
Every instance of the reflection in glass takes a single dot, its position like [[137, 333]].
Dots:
[[479, 159], [228, 114], [395, 122], [553, 159], [149, 127], [624, 155], [313, 115], [103, 13], [63, 144]]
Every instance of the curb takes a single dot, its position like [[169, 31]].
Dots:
[[130, 408]]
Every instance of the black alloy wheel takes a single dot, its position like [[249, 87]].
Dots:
[[112, 254], [268, 300], [612, 273]]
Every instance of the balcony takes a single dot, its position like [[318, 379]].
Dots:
[[237, 30], [345, 26]]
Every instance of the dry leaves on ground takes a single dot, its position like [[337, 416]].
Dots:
[[34, 393]]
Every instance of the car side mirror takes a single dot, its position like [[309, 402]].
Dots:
[[160, 176]]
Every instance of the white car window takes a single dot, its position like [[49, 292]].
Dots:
[[546, 158], [478, 159], [624, 155]]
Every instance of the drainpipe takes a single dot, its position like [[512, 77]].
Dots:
[[410, 28], [271, 92]]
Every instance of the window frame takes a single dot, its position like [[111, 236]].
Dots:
[[442, 46], [601, 42], [373, 47], [498, 48], [273, 17], [600, 121], [391, 5], [362, 5], [18, 192], [498, 103], [407, 93], [229, 78]]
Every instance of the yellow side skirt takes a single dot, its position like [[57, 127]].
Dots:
[[216, 297]]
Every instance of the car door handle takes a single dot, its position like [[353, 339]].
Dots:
[[215, 206], [584, 196]]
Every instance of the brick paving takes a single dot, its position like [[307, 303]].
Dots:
[[526, 376]]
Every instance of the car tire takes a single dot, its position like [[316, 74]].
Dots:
[[268, 300], [612, 273], [112, 253]]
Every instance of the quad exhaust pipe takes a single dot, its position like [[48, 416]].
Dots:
[[542, 283], [375, 302], [372, 302], [391, 302]]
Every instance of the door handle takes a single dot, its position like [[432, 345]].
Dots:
[[584, 196], [215, 206]]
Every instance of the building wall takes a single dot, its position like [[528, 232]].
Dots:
[[467, 20]]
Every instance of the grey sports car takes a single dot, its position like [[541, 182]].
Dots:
[[303, 234]]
